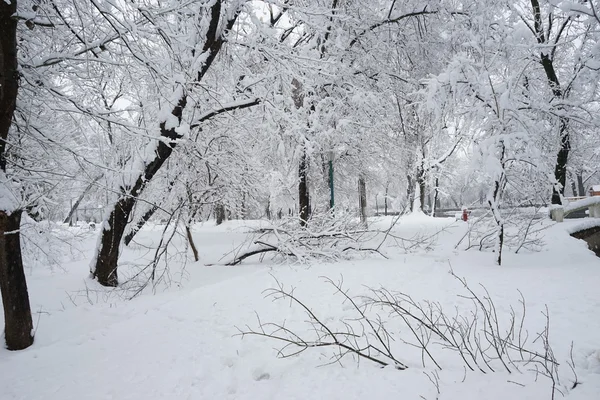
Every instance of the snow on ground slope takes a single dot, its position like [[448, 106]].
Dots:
[[181, 343]]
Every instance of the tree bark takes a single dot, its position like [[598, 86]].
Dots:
[[362, 199], [410, 192], [106, 262], [574, 188], [493, 202], [220, 213], [560, 170], [303, 195], [422, 188], [138, 226], [385, 201], [18, 325], [190, 239], [331, 184], [9, 75], [435, 202], [580, 184]]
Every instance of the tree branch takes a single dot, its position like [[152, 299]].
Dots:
[[240, 105]]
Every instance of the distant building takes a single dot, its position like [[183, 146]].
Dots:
[[594, 190]]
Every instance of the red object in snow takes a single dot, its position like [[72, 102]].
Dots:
[[465, 215]]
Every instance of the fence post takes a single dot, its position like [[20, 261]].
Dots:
[[558, 214]]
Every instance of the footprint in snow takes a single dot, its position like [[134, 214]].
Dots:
[[259, 375]]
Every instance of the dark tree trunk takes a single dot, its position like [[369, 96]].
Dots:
[[574, 188], [435, 198], [138, 226], [9, 75], [362, 199], [580, 184], [268, 210], [385, 201], [190, 239], [18, 325], [220, 213], [494, 201], [18, 329], [242, 213], [410, 192], [146, 217], [560, 169], [331, 184], [422, 188], [105, 269], [106, 262], [303, 195]]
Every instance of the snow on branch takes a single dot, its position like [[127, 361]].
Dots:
[[237, 105], [325, 238], [388, 21]]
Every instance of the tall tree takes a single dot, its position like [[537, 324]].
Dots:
[[18, 329], [209, 33], [546, 58]]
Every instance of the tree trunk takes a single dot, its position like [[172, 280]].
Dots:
[[580, 184], [81, 197], [268, 210], [493, 202], [190, 239], [242, 213], [303, 195], [18, 325], [385, 201], [421, 183], [9, 75], [560, 169], [138, 226], [435, 204], [105, 269], [146, 217], [331, 186], [112, 233], [220, 213], [574, 188], [410, 193], [362, 199]]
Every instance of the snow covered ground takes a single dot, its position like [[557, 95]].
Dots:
[[182, 342]]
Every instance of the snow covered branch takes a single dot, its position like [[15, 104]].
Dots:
[[238, 105], [484, 340]]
